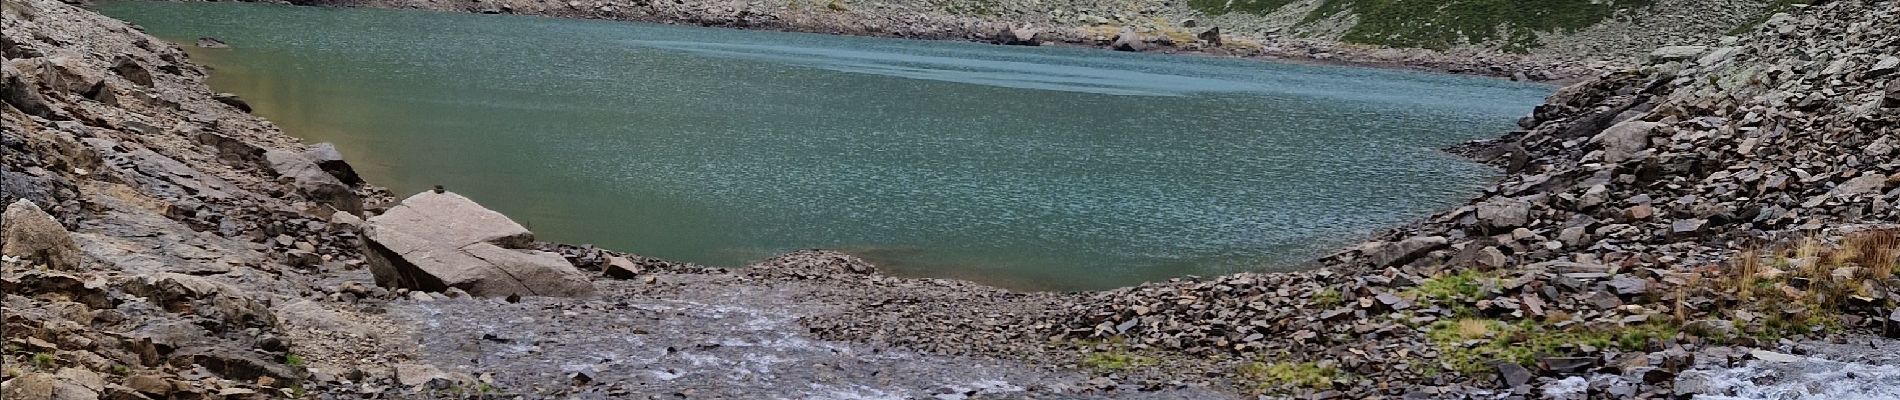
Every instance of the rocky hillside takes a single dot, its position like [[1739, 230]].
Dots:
[[1538, 40], [1651, 223], [1711, 210]]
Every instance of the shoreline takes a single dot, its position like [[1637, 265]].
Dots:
[[1487, 63]]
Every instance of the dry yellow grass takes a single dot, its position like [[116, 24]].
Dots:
[[1473, 328]]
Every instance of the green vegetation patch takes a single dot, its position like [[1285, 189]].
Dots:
[[1471, 345], [1280, 375], [1454, 291], [1115, 360]]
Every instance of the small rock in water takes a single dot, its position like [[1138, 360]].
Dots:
[[212, 43]]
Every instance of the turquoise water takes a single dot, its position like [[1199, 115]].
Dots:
[[1029, 168]]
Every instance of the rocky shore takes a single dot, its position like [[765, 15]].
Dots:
[[1155, 29], [1661, 232]]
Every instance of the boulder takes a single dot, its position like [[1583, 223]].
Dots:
[[1892, 325], [132, 71], [1127, 40], [1622, 141], [42, 386], [29, 233], [1869, 183], [414, 375], [313, 181], [1504, 213], [1513, 375], [1018, 36], [436, 241], [326, 157], [1211, 36], [621, 268], [1405, 251], [1676, 53], [232, 100], [212, 43]]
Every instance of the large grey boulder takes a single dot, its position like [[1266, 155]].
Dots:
[[1127, 40], [31, 234], [313, 181], [436, 241], [1404, 251], [1504, 212], [1623, 141], [1019, 36], [326, 157]]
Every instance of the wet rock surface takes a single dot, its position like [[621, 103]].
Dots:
[[434, 241], [721, 335]]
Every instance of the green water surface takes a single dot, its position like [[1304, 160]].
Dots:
[[1029, 168]]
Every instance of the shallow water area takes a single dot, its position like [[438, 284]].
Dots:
[[1028, 168]]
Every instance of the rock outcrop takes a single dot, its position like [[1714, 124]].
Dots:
[[437, 241], [33, 236]]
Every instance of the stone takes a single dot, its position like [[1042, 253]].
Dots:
[[212, 43], [1513, 375], [1019, 36], [1572, 236], [313, 181], [84, 378], [132, 71], [151, 385], [1211, 36], [1626, 285], [1676, 53], [621, 268], [42, 386], [1622, 141], [345, 219], [232, 100], [1687, 226], [436, 241], [1885, 65], [1892, 328], [1491, 257], [327, 157], [409, 374], [1567, 364], [1407, 250], [1639, 212], [1127, 40], [1865, 184], [31, 234], [1504, 213], [1773, 357], [1710, 328]]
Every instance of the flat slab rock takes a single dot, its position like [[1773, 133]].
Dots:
[[435, 241]]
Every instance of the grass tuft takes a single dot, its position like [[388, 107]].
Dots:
[[1267, 376]]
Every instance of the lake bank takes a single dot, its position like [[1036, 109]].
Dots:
[[911, 21]]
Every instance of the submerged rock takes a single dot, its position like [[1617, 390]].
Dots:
[[436, 241], [212, 43]]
